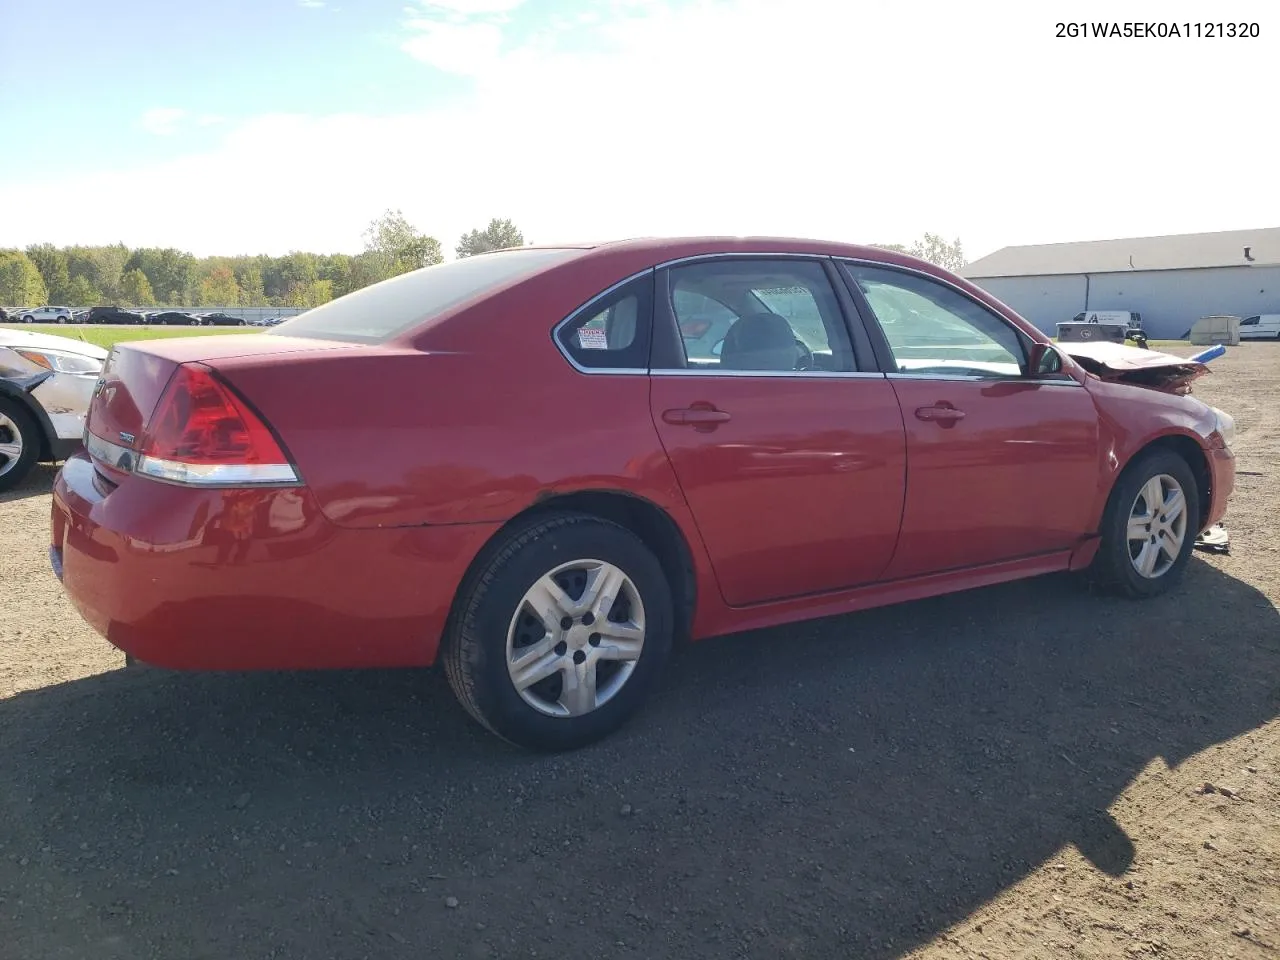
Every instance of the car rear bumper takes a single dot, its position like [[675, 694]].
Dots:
[[250, 579]]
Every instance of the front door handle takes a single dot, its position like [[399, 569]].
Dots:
[[697, 416], [939, 413]]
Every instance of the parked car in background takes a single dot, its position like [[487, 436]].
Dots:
[[46, 383], [222, 320], [1131, 319], [113, 315], [46, 315], [233, 510], [172, 318], [267, 321], [1265, 326]]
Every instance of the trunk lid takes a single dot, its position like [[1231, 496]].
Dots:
[[138, 371]]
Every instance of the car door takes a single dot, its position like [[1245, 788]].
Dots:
[[789, 453], [1000, 465]]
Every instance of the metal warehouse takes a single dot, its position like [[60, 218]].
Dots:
[[1172, 281]]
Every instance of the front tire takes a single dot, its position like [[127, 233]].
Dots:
[[1149, 527], [561, 633], [19, 444]]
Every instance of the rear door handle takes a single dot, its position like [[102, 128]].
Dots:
[[695, 416], [939, 413]]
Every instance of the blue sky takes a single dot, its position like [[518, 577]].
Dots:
[[268, 125]]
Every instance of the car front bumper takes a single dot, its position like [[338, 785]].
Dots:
[[65, 399], [1222, 480], [243, 579]]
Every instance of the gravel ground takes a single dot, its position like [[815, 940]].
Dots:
[[1022, 771]]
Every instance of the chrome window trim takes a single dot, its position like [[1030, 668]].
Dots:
[[775, 374], [602, 295], [957, 378], [789, 255]]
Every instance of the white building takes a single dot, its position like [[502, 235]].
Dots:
[[1172, 281]]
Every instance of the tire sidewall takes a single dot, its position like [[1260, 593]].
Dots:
[[1116, 532], [487, 619], [31, 438]]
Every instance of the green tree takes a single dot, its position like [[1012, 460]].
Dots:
[[310, 294], [135, 289], [82, 293], [498, 235], [400, 247], [21, 284], [219, 289], [949, 256], [171, 272], [252, 293], [52, 264]]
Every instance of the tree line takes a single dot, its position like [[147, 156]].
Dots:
[[83, 276]]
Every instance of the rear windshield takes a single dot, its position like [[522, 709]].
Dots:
[[383, 310]]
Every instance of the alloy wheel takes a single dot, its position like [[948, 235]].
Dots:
[[11, 445], [1157, 526], [575, 638]]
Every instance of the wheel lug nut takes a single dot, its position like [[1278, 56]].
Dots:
[[566, 623], [561, 648], [594, 640], [579, 656], [588, 619]]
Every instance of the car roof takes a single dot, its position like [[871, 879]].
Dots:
[[654, 250]]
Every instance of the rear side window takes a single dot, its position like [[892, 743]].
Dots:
[[613, 331], [383, 310]]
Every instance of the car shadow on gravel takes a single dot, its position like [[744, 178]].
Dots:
[[846, 787], [38, 482]]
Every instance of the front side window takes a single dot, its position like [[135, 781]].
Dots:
[[770, 316], [933, 330]]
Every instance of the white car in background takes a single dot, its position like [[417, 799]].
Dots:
[[46, 384], [1265, 326], [44, 315]]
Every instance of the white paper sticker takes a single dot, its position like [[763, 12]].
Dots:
[[592, 339]]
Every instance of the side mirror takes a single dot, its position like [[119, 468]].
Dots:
[[1043, 360]]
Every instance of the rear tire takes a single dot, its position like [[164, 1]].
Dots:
[[18, 433], [1122, 556], [494, 620]]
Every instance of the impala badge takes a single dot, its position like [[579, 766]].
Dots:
[[127, 437]]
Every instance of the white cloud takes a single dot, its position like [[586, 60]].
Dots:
[[472, 7], [162, 121], [850, 122], [463, 48], [311, 4], [209, 120]]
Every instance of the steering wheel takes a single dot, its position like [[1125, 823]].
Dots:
[[804, 356]]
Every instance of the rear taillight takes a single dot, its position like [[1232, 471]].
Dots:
[[202, 433]]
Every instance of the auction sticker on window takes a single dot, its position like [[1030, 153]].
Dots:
[[593, 338]]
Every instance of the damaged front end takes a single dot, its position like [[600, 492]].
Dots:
[[1141, 368]]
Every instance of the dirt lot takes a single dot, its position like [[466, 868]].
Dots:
[[1016, 772]]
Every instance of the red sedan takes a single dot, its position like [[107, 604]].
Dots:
[[541, 467]]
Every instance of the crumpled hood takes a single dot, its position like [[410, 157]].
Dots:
[[45, 341], [1133, 365]]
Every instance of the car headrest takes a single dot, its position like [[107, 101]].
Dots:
[[759, 341]]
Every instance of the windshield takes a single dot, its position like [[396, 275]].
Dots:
[[381, 311]]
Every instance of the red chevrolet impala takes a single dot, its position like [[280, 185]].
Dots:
[[540, 467]]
